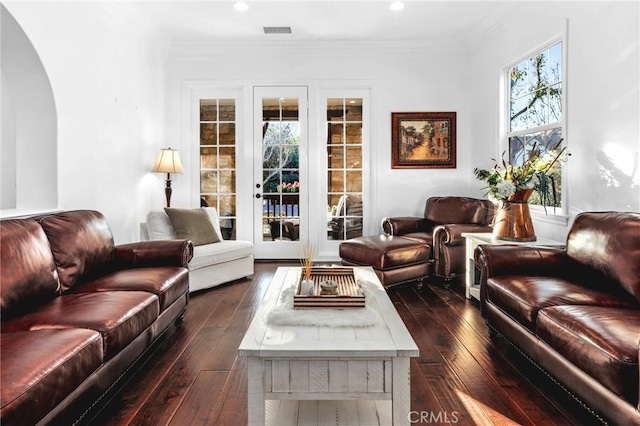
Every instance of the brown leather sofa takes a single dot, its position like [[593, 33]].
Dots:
[[78, 311], [441, 228], [575, 312]]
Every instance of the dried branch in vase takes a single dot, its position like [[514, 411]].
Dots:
[[308, 251]]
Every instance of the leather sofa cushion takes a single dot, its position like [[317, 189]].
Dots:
[[81, 243], [168, 283], [522, 297], [41, 367], [28, 274], [604, 246], [120, 316], [384, 252], [601, 341]]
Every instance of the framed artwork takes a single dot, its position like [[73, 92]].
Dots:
[[423, 140]]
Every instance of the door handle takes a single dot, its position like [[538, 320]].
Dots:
[[258, 195]]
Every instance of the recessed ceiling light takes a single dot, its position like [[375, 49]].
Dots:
[[396, 5], [240, 6]]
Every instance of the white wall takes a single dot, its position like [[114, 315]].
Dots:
[[602, 112], [116, 109], [8, 149], [403, 76], [106, 68]]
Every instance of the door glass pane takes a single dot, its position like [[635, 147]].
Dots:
[[228, 215], [227, 110], [208, 181], [218, 160], [208, 134], [354, 157], [208, 158], [227, 181], [336, 181], [208, 110], [344, 174], [354, 181], [353, 108], [335, 157], [227, 158], [336, 133], [227, 134], [354, 133], [280, 169]]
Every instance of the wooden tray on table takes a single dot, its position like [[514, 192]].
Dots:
[[350, 294]]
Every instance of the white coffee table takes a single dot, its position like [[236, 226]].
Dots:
[[328, 368]]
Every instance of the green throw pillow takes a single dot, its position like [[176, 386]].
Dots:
[[192, 224]]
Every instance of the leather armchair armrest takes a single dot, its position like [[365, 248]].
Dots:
[[451, 234], [403, 225], [145, 254]]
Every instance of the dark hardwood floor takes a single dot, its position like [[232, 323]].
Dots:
[[195, 376]]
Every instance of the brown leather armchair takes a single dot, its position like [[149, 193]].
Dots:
[[444, 221]]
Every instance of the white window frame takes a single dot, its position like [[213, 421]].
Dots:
[[559, 214], [192, 93], [328, 248]]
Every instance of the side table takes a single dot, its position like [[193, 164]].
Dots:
[[474, 239]]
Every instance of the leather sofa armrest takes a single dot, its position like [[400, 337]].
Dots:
[[451, 234], [403, 225], [520, 260], [515, 260], [145, 254]]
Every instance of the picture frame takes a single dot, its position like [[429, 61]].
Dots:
[[423, 140]]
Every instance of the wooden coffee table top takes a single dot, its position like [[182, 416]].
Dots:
[[389, 338]]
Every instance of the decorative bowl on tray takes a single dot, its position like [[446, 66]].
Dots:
[[333, 287]]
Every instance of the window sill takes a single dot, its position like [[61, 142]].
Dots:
[[538, 214]]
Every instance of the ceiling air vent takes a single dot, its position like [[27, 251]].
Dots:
[[276, 30]]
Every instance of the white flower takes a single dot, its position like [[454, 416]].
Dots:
[[532, 183], [505, 188]]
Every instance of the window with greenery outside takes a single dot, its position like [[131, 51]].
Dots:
[[281, 157], [536, 119]]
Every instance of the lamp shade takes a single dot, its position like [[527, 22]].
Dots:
[[168, 161]]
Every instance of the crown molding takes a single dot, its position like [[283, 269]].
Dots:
[[383, 49]]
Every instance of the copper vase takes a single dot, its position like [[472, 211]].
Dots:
[[513, 219]]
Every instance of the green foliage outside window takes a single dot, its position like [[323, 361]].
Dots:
[[535, 115]]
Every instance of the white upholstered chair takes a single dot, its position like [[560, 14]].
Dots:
[[212, 264]]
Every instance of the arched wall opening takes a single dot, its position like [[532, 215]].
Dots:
[[28, 148]]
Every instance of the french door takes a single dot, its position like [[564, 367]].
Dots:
[[281, 178], [276, 187]]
